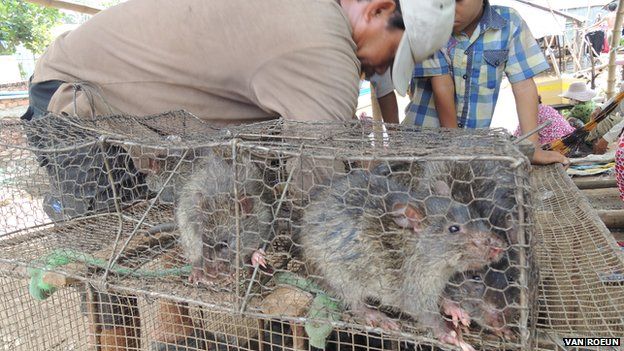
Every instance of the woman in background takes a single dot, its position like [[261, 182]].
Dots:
[[558, 128]]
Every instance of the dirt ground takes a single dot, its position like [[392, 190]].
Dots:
[[27, 324], [14, 112]]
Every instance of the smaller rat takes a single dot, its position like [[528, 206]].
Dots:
[[206, 217], [483, 296]]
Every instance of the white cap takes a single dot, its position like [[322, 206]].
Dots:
[[428, 26]]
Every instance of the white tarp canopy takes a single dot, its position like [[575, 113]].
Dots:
[[570, 4], [540, 22]]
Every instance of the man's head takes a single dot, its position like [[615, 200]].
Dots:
[[378, 27], [377, 30], [467, 15]]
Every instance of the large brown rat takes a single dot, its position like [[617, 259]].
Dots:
[[487, 186], [368, 237], [206, 217]]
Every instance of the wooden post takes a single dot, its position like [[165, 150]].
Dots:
[[578, 48], [594, 182], [612, 219], [592, 59], [95, 328], [549, 42], [615, 42]]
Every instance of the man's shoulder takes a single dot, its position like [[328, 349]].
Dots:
[[316, 19], [312, 11]]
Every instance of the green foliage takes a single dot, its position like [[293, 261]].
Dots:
[[25, 23]]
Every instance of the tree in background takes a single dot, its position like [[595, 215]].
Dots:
[[25, 23]]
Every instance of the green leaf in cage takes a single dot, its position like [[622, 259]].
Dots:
[[323, 308]]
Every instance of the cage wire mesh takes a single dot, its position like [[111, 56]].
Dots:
[[277, 235], [581, 291]]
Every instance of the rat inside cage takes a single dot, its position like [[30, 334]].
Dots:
[[314, 234]]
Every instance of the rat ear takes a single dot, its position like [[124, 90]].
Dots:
[[246, 204], [440, 188], [406, 216]]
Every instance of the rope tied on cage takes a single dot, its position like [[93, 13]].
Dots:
[[40, 290], [323, 307]]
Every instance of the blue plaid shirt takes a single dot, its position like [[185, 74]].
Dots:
[[500, 43]]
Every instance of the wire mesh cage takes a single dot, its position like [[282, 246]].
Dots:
[[581, 289], [161, 232]]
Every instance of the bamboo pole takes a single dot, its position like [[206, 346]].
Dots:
[[67, 5], [553, 59], [615, 43]]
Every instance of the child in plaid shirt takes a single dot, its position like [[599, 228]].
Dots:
[[459, 85]]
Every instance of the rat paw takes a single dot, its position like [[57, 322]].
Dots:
[[454, 338], [375, 318], [457, 314], [197, 277], [503, 333], [257, 258]]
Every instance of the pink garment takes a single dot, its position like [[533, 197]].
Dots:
[[605, 45], [619, 167], [558, 128]]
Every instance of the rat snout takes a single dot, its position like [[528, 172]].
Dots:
[[481, 248], [496, 321], [493, 318], [495, 248], [495, 253]]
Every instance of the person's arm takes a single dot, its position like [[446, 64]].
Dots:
[[389, 108], [595, 113], [444, 99], [602, 144], [525, 93], [421, 90], [525, 61], [602, 128], [614, 133], [384, 90], [596, 26]]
